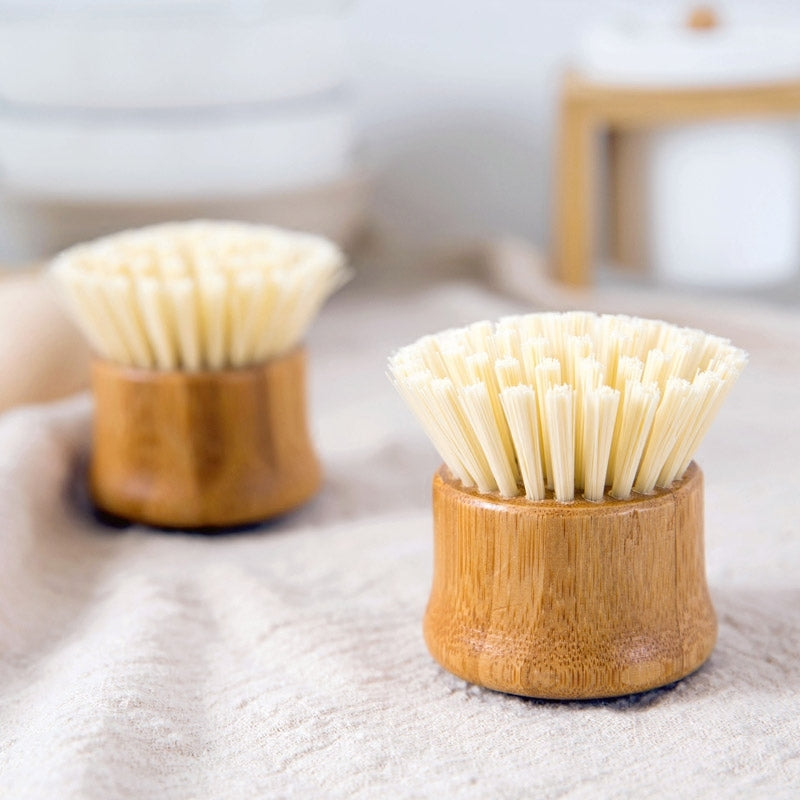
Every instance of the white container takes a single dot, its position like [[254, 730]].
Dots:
[[154, 157], [724, 203], [708, 204], [163, 103]]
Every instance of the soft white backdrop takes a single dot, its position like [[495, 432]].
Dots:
[[457, 103]]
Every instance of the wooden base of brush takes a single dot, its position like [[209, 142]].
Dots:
[[202, 449], [562, 601]]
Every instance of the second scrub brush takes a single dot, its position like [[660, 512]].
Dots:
[[199, 379]]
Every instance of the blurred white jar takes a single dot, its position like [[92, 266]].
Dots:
[[156, 108], [706, 204]]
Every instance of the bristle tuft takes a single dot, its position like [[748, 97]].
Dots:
[[551, 405]]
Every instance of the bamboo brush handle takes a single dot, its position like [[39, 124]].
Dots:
[[202, 449], [558, 601]]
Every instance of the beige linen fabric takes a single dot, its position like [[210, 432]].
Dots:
[[288, 661]]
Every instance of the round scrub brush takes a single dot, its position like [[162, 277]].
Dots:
[[568, 517], [199, 380]]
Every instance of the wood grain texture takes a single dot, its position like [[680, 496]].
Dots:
[[561, 601], [202, 449]]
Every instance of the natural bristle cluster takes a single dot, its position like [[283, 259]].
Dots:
[[198, 295], [572, 402]]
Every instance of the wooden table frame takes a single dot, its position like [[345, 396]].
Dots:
[[588, 108]]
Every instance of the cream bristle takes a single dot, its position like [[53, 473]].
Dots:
[[669, 417], [120, 294], [559, 405], [727, 371], [589, 376], [82, 305], [534, 351], [180, 292], [444, 426], [508, 371], [579, 323], [508, 343], [654, 368], [705, 386], [552, 329], [547, 374], [454, 359], [414, 389], [565, 402], [198, 295], [576, 349], [482, 372], [628, 369], [484, 422], [481, 337], [469, 451], [213, 291], [447, 441], [108, 327], [639, 403], [600, 412], [519, 404], [621, 348], [712, 348], [157, 321]]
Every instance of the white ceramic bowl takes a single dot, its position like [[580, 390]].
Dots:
[[172, 100], [647, 54]]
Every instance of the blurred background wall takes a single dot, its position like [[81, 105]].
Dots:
[[440, 127], [457, 105]]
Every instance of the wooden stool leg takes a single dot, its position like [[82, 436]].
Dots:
[[627, 200], [615, 198], [575, 180]]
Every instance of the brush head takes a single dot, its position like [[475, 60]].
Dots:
[[555, 404], [198, 295]]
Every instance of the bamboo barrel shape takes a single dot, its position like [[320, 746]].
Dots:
[[566, 601], [202, 449]]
